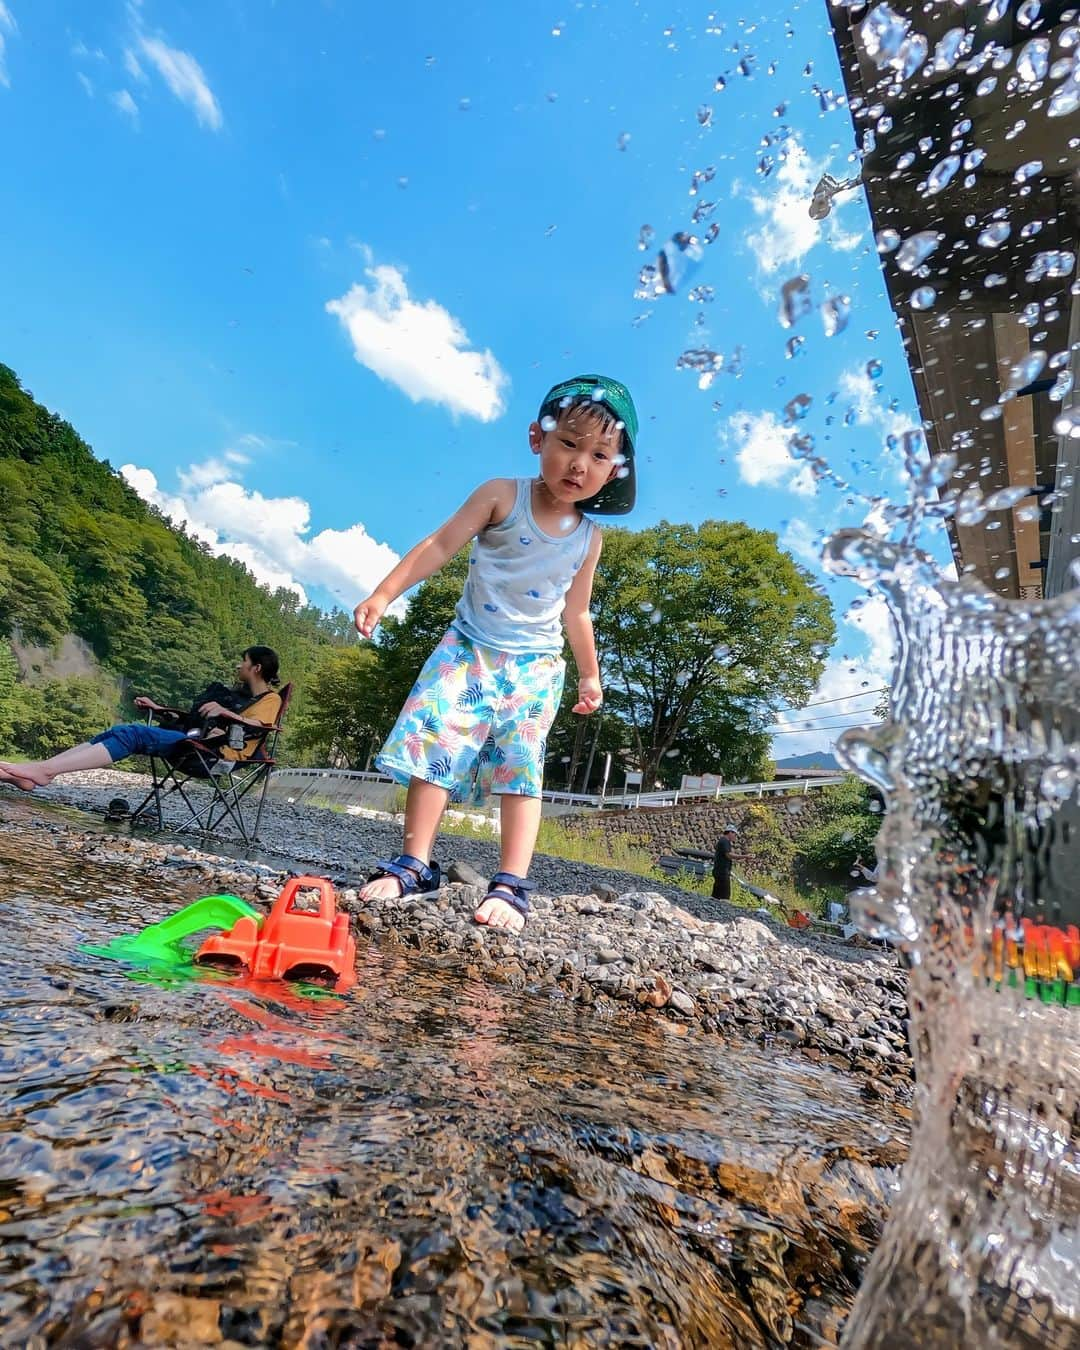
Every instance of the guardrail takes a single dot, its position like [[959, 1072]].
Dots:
[[307, 780]]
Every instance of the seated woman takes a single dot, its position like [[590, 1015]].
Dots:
[[258, 706]]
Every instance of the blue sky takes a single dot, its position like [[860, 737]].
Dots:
[[303, 270]]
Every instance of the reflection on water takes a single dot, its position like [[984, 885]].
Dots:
[[425, 1162]]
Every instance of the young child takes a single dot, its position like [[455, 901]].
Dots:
[[479, 713]]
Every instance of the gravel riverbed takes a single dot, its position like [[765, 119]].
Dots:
[[597, 937]]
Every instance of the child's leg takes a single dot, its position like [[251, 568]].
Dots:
[[424, 807], [519, 819]]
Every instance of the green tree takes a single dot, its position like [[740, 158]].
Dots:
[[343, 721], [56, 714], [406, 643], [701, 631], [845, 829], [9, 670]]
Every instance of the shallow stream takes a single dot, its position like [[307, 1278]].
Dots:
[[423, 1162]]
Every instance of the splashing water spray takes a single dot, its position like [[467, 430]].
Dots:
[[980, 885], [979, 757]]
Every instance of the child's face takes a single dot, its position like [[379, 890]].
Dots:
[[577, 457]]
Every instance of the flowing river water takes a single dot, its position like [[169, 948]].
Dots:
[[423, 1162]]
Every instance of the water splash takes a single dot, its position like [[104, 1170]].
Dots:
[[979, 852]]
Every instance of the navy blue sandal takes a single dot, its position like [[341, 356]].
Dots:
[[513, 891], [416, 877]]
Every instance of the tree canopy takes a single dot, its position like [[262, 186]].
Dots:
[[81, 552]]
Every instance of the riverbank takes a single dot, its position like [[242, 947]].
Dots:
[[596, 938]]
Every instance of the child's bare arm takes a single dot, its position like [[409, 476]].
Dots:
[[492, 501], [579, 631]]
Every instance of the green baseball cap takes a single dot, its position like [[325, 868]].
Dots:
[[617, 497]]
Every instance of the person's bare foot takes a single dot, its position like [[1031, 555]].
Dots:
[[496, 913], [381, 888], [23, 776]]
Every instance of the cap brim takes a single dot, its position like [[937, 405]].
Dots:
[[616, 498]]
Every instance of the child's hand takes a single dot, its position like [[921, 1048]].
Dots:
[[590, 696], [367, 614]]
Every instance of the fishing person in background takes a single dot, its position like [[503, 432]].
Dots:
[[478, 716], [722, 859]]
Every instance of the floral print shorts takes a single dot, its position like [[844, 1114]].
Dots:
[[476, 721]]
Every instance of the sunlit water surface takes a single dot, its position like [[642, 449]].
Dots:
[[426, 1161]]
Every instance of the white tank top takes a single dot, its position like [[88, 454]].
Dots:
[[515, 592]]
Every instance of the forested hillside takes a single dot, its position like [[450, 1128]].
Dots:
[[81, 553]]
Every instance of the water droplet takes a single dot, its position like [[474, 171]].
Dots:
[[677, 261], [797, 408], [995, 234], [923, 297], [1067, 424], [915, 250], [1034, 60], [719, 84], [722, 652], [548, 423], [1028, 170], [835, 313], [1028, 12], [645, 237], [795, 300], [704, 115], [941, 174], [701, 176], [403, 181], [912, 54], [793, 346], [1006, 498], [1065, 99], [883, 32], [622, 140], [874, 368], [1058, 783], [1026, 371], [950, 47], [986, 86], [464, 104], [887, 240], [1061, 386], [1053, 263]]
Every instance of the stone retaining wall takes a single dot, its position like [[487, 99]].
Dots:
[[699, 824]]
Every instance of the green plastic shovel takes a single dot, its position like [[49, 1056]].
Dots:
[[160, 942]]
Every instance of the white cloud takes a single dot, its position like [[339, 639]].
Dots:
[[132, 66], [872, 410], [86, 82], [184, 76], [764, 456], [127, 105], [802, 541], [787, 233], [82, 52], [848, 683], [7, 20], [419, 346], [270, 535]]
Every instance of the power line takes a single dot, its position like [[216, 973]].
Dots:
[[817, 724], [805, 722], [840, 698], [803, 731]]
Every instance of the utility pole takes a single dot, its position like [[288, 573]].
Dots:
[[592, 752]]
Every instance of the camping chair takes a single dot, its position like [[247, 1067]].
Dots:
[[231, 783]]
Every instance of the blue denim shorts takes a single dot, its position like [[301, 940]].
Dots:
[[136, 738]]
